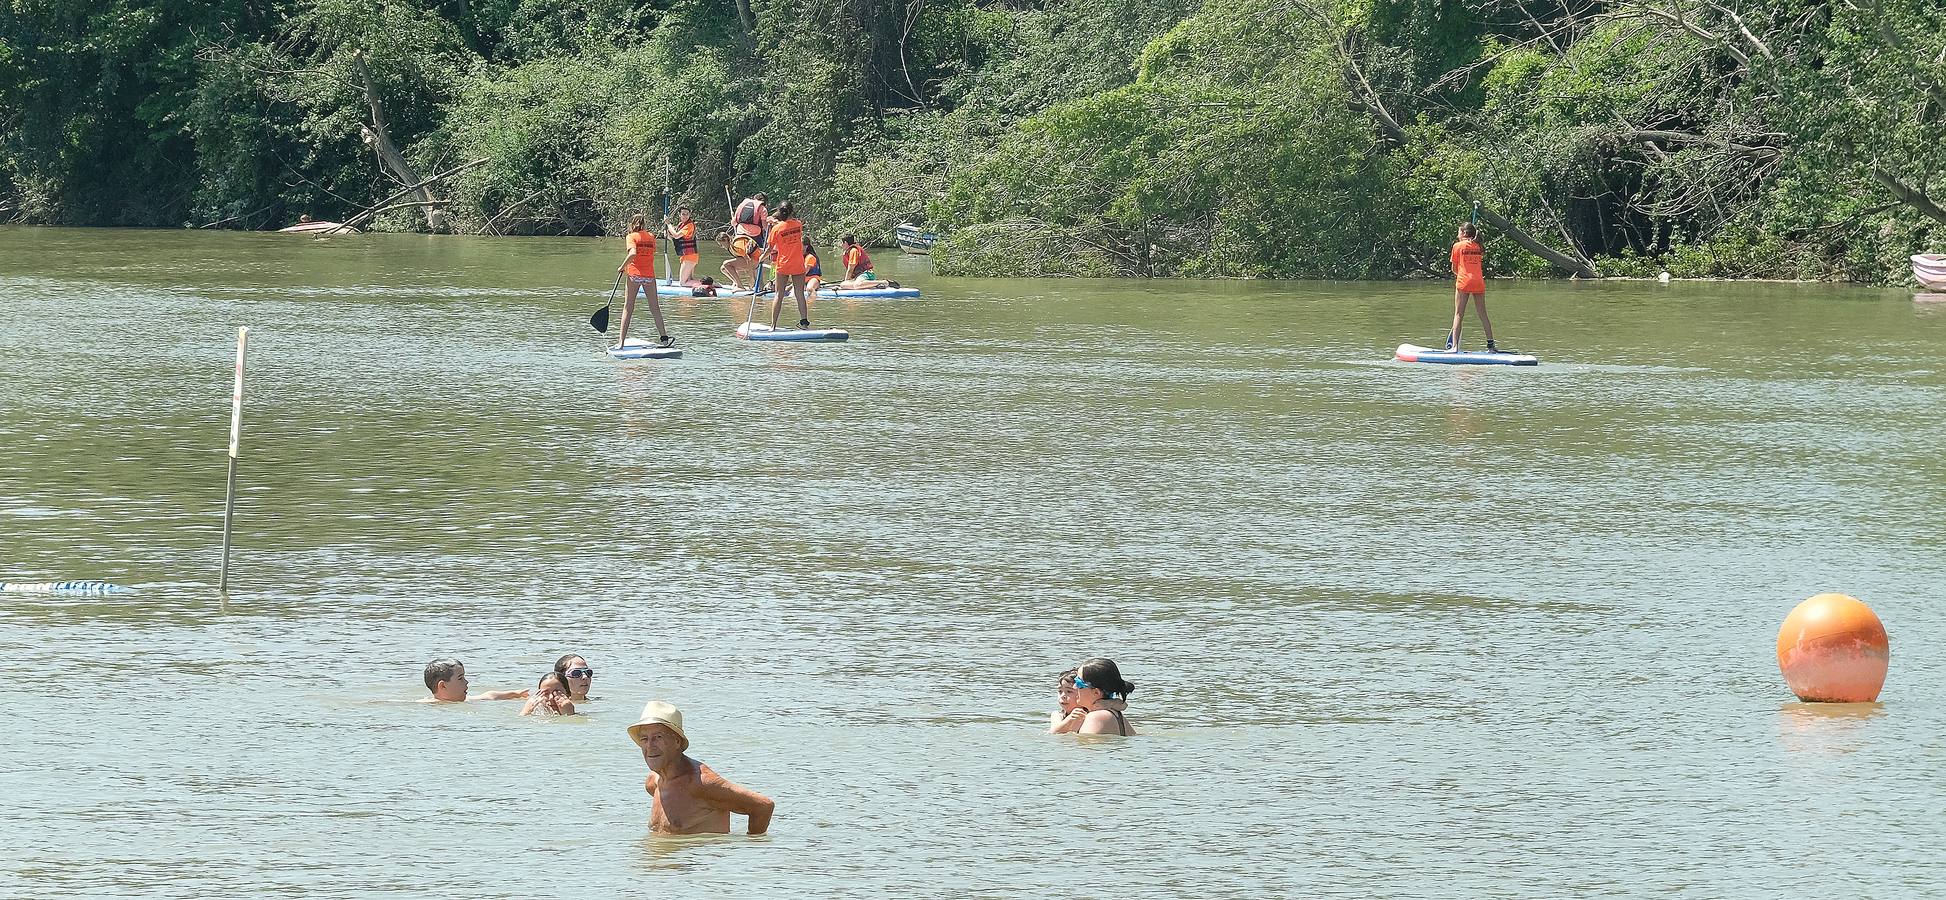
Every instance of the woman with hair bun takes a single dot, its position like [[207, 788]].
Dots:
[[1100, 689]]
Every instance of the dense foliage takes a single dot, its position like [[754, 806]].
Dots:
[[1314, 138]]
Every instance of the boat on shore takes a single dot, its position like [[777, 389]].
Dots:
[[317, 228], [912, 239], [1929, 269]]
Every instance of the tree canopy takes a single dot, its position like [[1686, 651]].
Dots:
[[1288, 138]]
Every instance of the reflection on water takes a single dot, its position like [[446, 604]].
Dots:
[[1397, 630]]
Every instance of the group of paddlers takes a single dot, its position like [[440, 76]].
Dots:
[[755, 237]]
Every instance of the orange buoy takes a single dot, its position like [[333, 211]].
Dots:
[[1833, 649]]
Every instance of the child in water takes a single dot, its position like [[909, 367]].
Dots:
[[1066, 719], [550, 698]]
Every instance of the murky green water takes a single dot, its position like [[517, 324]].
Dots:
[[1398, 630]]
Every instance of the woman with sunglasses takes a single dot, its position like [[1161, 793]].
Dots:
[[1100, 689], [573, 669]]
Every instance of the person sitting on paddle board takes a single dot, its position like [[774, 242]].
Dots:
[[858, 268], [1100, 689], [639, 266], [683, 232], [753, 218], [786, 255], [1067, 716], [743, 251], [1469, 283], [813, 273], [690, 798]]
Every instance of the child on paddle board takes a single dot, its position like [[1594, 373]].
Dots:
[[1469, 283], [683, 232], [858, 268], [639, 266], [743, 258], [786, 253], [813, 273]]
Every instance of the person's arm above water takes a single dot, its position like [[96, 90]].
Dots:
[[726, 794], [503, 695], [1068, 724]]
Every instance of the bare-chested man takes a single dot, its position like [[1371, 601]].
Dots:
[[690, 798]]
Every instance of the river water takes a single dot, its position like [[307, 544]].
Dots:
[[1397, 630]]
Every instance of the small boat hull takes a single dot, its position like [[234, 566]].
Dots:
[[318, 228], [912, 240]]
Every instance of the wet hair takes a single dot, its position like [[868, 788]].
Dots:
[[1469, 230], [709, 281], [561, 665], [541, 687], [442, 669], [637, 222], [1101, 672], [785, 209], [1065, 679]]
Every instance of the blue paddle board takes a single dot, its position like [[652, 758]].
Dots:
[[757, 331], [1418, 354], [636, 348]]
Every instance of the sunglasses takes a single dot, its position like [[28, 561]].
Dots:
[[581, 673]]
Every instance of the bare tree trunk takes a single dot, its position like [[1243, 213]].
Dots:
[[388, 153], [1909, 195]]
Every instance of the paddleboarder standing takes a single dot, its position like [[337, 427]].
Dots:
[[1469, 283], [639, 266], [786, 253]]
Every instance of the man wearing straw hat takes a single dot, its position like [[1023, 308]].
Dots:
[[690, 798]]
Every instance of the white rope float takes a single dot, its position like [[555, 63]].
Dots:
[[71, 588]]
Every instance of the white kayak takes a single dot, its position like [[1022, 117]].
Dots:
[[757, 331], [678, 289], [1418, 354], [636, 348]]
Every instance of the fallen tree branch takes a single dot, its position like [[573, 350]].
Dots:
[[1909, 195], [381, 206]]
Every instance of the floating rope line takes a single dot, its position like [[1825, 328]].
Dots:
[[62, 587]]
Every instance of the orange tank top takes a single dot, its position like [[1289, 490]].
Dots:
[[1467, 275], [643, 265]]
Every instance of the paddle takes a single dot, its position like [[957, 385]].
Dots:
[[600, 319], [668, 253]]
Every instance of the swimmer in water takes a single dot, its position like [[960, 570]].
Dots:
[[580, 677], [690, 798], [446, 679], [1067, 718], [1100, 689], [550, 697]]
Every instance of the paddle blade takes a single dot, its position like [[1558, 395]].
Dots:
[[600, 320]]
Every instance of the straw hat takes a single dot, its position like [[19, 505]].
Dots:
[[657, 712]]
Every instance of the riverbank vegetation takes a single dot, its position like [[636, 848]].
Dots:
[[1288, 138]]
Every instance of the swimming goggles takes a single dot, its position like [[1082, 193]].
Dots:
[[1080, 685], [581, 673]]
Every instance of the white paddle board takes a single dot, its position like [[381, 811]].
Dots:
[[757, 331], [1418, 354], [636, 348]]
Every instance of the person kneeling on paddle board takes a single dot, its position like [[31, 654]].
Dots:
[[813, 273], [683, 232], [858, 269], [786, 255], [639, 266], [1469, 283], [743, 258]]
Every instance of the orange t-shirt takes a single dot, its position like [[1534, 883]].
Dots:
[[1467, 277], [643, 265], [787, 242]]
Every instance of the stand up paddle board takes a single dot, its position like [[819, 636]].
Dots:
[[757, 331], [678, 289], [1418, 354], [636, 348]]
